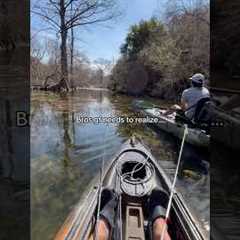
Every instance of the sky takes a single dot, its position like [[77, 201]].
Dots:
[[104, 41]]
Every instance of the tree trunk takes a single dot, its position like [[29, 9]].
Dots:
[[71, 60], [64, 32], [71, 53]]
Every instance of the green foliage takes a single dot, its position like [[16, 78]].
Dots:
[[139, 35], [119, 76], [169, 52]]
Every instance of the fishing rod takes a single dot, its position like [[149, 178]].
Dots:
[[174, 182]]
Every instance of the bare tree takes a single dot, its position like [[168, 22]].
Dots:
[[189, 25], [44, 62], [71, 52], [196, 9], [38, 51], [102, 72], [63, 15]]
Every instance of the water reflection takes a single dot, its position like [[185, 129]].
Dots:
[[67, 154]]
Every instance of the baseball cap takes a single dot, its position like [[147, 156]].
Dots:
[[198, 78]]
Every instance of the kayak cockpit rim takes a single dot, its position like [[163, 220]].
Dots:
[[82, 224]]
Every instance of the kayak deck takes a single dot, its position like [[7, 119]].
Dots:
[[133, 174]]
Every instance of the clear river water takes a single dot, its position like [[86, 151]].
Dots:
[[66, 154]]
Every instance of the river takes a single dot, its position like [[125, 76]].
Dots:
[[66, 154]]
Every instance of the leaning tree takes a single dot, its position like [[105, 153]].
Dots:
[[64, 15]]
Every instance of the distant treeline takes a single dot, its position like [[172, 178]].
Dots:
[[65, 18], [46, 67], [158, 57]]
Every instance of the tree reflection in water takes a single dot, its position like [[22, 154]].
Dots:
[[66, 154]]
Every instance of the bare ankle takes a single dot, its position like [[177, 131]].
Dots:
[[158, 226], [102, 231]]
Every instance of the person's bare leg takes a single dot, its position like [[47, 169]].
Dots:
[[158, 226], [102, 231]]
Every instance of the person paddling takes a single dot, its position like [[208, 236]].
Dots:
[[191, 96]]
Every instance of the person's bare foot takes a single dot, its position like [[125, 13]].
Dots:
[[158, 226]]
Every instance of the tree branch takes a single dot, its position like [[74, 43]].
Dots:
[[77, 14], [88, 22], [69, 3], [50, 20]]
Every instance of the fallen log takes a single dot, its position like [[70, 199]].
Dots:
[[58, 87]]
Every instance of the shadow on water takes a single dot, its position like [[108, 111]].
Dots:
[[66, 154]]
